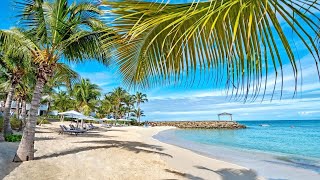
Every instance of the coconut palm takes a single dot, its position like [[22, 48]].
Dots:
[[62, 101], [56, 30], [86, 95], [138, 113], [23, 94], [129, 101], [117, 97], [105, 108], [63, 77], [16, 62], [238, 42], [140, 98]]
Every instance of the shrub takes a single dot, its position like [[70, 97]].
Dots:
[[134, 122], [42, 120], [15, 123], [13, 138]]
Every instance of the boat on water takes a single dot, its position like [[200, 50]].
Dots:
[[264, 125]]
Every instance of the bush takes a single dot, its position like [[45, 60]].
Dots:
[[134, 122], [42, 120], [13, 138], [15, 123]]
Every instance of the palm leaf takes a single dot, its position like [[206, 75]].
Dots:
[[236, 42]]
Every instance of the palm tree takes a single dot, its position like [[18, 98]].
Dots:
[[140, 98], [105, 107], [16, 62], [117, 96], [56, 29], [62, 101], [138, 113], [63, 77], [86, 95], [237, 42], [129, 101], [23, 93]]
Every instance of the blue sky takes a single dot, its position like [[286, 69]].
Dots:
[[205, 101]]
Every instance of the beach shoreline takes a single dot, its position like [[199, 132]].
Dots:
[[267, 165], [115, 153]]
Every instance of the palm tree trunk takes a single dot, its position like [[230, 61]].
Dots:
[[6, 113], [48, 104], [23, 114], [17, 108], [138, 104], [25, 151]]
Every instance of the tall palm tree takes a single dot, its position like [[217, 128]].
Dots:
[[138, 113], [105, 108], [16, 61], [238, 42], [4, 88], [118, 95], [64, 77], [86, 95], [62, 101], [140, 98], [56, 30], [24, 93], [129, 101]]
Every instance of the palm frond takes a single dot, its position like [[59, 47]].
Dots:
[[236, 42]]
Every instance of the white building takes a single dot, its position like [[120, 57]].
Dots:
[[42, 109]]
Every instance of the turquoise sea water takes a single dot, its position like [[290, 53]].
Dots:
[[290, 143]]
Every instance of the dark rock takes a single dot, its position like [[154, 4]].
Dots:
[[200, 124]]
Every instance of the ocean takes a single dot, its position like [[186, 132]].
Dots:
[[272, 149]]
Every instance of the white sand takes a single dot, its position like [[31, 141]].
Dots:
[[116, 153]]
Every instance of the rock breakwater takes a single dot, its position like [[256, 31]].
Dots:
[[201, 124]]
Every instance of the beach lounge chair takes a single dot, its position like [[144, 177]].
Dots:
[[91, 126], [106, 125], [64, 129], [72, 127]]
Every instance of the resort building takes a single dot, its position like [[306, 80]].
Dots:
[[42, 109]]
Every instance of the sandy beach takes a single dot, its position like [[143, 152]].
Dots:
[[113, 153]]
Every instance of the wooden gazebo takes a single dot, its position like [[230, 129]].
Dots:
[[225, 114]]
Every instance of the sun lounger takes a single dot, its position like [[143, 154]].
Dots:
[[106, 125], [72, 127], [91, 126], [64, 129]]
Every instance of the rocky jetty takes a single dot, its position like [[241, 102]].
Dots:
[[200, 124]]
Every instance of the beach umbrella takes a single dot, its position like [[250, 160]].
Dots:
[[74, 114], [107, 119], [91, 118], [125, 120]]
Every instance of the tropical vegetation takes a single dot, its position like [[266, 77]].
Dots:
[[236, 42], [54, 30]]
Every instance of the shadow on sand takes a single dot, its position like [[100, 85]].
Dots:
[[7, 152], [184, 175], [233, 174], [136, 147]]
